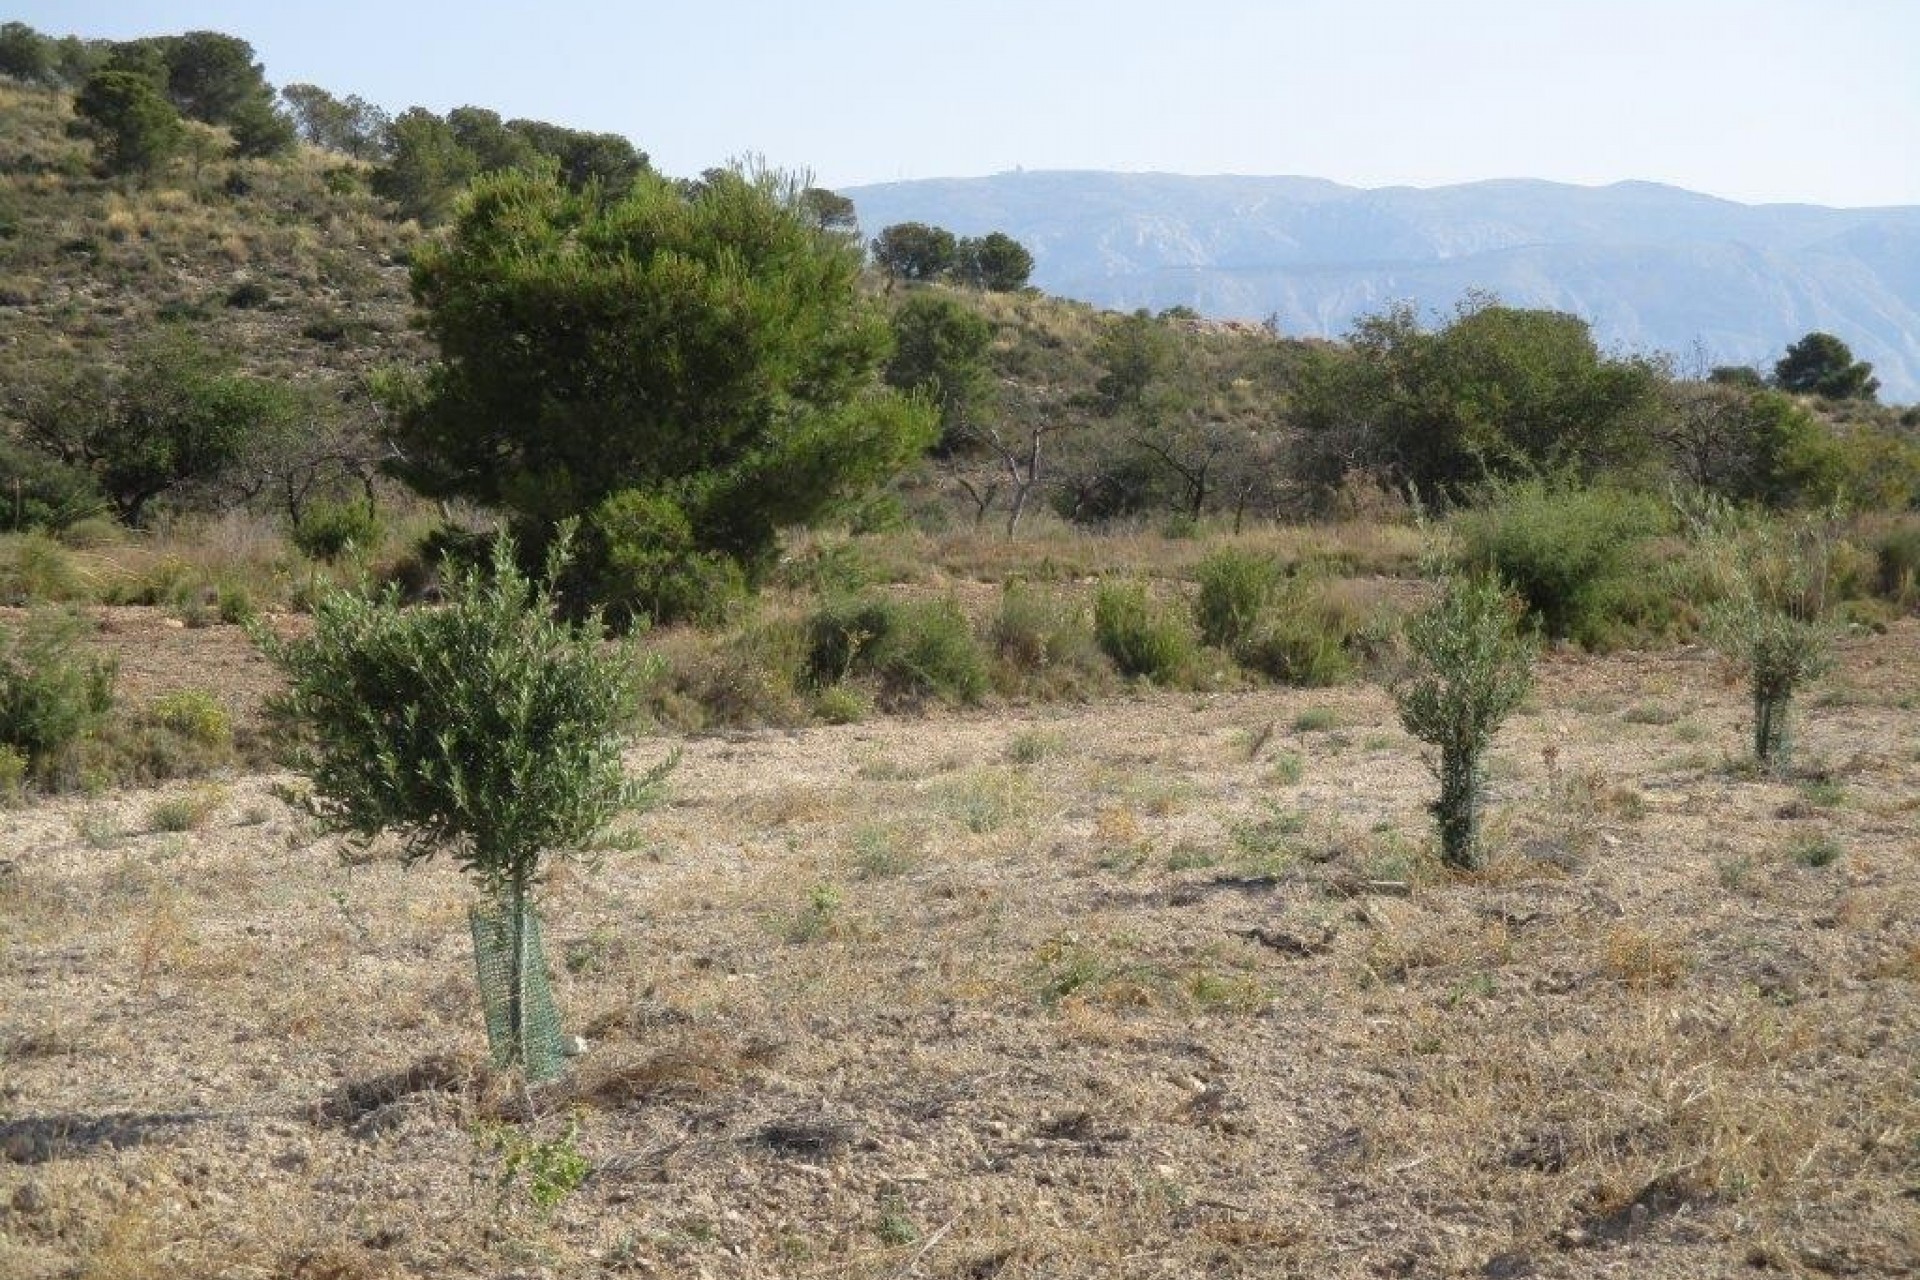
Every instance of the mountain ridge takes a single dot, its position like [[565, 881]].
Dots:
[[1653, 267]]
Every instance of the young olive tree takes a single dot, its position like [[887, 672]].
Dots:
[[1470, 668], [1768, 623], [485, 729]]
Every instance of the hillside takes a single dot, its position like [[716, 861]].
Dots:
[[291, 266], [1652, 267]]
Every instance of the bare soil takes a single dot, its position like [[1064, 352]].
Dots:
[[1163, 986]]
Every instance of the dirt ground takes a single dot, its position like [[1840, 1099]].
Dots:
[[1165, 986]]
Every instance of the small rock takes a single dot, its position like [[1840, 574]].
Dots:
[[574, 1046]]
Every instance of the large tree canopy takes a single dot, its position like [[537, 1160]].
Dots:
[[1498, 391], [688, 369]]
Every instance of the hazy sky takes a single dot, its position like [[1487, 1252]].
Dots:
[[1755, 100]]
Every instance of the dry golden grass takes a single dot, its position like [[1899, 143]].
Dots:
[[1080, 993]]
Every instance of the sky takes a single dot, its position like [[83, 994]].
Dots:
[[1753, 100]]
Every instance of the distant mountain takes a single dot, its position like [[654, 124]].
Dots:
[[1653, 268]]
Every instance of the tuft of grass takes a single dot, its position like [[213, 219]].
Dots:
[[1031, 746], [1287, 769], [1315, 720], [1816, 851], [984, 800], [882, 852], [190, 811]]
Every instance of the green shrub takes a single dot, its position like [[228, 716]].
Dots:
[[41, 492], [640, 561], [841, 704], [51, 697], [35, 568], [326, 530], [841, 633], [1143, 638], [233, 602], [1897, 563], [1571, 554], [1044, 644], [195, 715], [189, 812], [92, 533], [1469, 670], [1299, 637], [14, 768], [916, 649], [1234, 588]]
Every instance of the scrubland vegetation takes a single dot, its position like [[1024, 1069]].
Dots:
[[1152, 797]]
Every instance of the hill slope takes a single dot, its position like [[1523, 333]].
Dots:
[[1652, 267]]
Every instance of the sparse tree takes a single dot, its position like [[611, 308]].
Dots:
[[687, 372], [1822, 365], [177, 416], [995, 262], [830, 211], [915, 251], [426, 168], [605, 161], [352, 126], [134, 129], [939, 351], [25, 54]]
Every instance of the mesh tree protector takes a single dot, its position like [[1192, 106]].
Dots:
[[523, 1027]]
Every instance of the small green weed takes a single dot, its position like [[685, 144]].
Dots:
[[1315, 720], [189, 812], [1816, 851]]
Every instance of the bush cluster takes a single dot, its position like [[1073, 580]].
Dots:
[[1573, 554], [915, 650], [51, 697]]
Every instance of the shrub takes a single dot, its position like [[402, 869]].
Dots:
[[13, 774], [917, 649], [1295, 647], [839, 634], [51, 697], [1769, 621], [1045, 645], [750, 677], [326, 529], [1234, 588], [642, 561], [1569, 553], [1142, 637], [841, 704], [485, 729], [1299, 637], [36, 568], [195, 715], [188, 812], [1469, 670], [41, 492], [1897, 563]]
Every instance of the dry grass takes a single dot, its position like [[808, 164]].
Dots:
[[1088, 993]]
